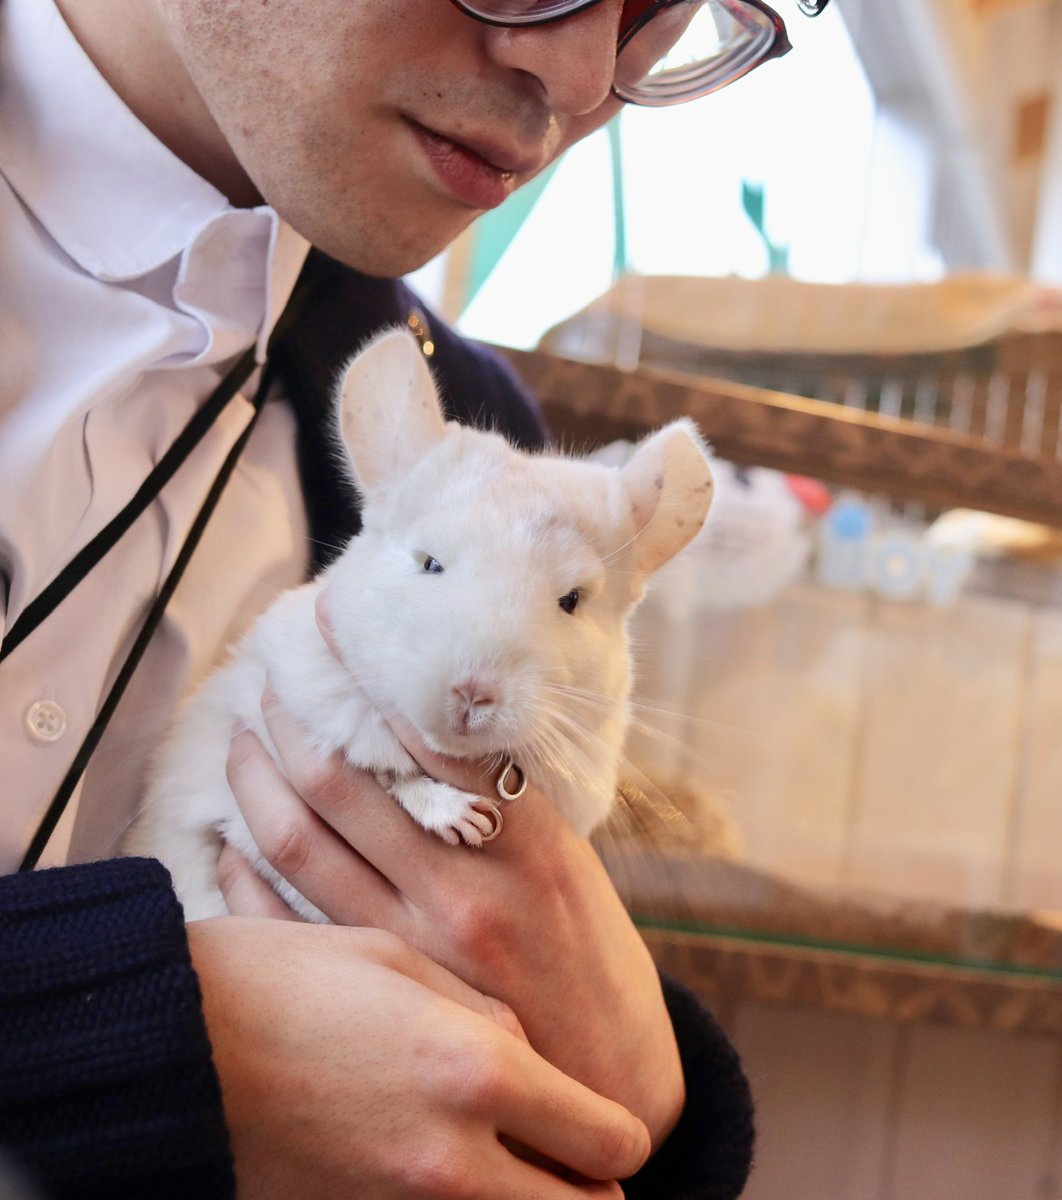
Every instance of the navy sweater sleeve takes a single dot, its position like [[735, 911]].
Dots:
[[107, 1088], [709, 1152]]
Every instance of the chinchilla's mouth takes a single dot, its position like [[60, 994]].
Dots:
[[493, 743]]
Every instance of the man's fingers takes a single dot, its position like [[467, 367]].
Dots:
[[246, 893], [467, 774], [531, 1181], [380, 867], [301, 847], [399, 956], [531, 820], [568, 1123], [321, 868], [349, 801], [362, 814]]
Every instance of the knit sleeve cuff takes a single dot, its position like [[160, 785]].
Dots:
[[709, 1152], [107, 1087]]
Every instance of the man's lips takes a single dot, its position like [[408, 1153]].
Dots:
[[478, 174]]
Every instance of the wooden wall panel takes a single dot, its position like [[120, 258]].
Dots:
[[822, 1084], [1034, 879], [850, 1108], [944, 702], [974, 1116], [892, 746], [770, 697]]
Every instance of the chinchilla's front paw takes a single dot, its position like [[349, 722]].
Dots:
[[454, 815]]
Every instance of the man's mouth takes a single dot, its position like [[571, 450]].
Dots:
[[473, 172]]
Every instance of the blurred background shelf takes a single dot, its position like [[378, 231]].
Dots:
[[729, 971], [588, 403]]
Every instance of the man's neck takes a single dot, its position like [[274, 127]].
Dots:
[[128, 43]]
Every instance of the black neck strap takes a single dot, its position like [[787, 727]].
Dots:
[[43, 605], [154, 615], [79, 567]]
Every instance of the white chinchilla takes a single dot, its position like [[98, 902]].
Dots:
[[486, 599]]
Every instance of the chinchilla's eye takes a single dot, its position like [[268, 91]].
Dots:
[[432, 566], [569, 602]]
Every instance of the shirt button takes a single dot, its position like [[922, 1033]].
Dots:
[[45, 721]]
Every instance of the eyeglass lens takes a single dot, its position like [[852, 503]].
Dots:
[[691, 47], [669, 50]]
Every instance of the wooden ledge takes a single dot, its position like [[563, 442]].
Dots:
[[725, 971], [589, 404]]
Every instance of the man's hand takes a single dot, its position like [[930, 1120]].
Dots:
[[531, 918], [352, 1065]]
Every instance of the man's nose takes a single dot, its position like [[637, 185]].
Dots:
[[573, 59]]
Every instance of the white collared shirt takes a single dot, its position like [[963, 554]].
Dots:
[[127, 286]]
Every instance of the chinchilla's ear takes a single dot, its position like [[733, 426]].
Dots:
[[389, 411], [670, 487]]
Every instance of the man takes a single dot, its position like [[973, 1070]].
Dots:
[[473, 1025]]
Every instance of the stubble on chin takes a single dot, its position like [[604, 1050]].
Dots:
[[372, 233], [304, 132]]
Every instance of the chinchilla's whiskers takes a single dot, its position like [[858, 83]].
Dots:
[[644, 712], [581, 696], [574, 742], [646, 709], [315, 541], [613, 554], [498, 759], [625, 842], [636, 703], [693, 755], [539, 757], [578, 741], [691, 743], [542, 762], [643, 813], [547, 753], [647, 719], [558, 706]]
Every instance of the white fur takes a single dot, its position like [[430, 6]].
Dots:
[[514, 533]]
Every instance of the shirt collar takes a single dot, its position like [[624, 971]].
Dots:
[[112, 196]]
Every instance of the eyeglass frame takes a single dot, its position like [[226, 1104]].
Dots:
[[779, 46]]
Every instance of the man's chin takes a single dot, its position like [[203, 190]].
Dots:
[[381, 256]]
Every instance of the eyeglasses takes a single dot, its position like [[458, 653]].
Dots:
[[669, 51]]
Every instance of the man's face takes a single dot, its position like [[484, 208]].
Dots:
[[381, 128]]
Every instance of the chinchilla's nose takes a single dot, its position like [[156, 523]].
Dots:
[[474, 692], [473, 698]]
